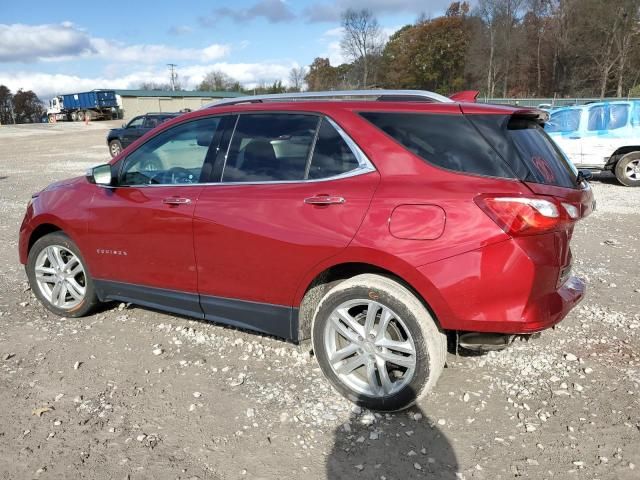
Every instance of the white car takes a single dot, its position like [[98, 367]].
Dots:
[[600, 136]]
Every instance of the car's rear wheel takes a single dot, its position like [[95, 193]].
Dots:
[[627, 170], [377, 343], [59, 277], [115, 147]]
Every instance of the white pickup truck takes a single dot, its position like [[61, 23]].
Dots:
[[600, 136]]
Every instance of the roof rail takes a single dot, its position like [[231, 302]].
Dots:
[[379, 95]]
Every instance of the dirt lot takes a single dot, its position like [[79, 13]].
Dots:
[[88, 398]]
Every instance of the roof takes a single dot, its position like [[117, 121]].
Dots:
[[177, 93]]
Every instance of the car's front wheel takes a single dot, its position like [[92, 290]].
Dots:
[[59, 277], [377, 343], [115, 147]]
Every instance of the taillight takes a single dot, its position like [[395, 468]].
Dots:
[[528, 215]]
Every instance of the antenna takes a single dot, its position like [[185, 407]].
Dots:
[[173, 75]]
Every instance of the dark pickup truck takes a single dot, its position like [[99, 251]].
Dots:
[[119, 138]]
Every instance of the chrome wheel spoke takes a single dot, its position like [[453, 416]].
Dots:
[[354, 329], [395, 346], [55, 258], [350, 365], [55, 293], [387, 385], [45, 274], [344, 353], [385, 317], [74, 288], [371, 376], [396, 359], [372, 310]]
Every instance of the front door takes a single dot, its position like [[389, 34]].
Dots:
[[141, 230], [132, 131], [282, 206]]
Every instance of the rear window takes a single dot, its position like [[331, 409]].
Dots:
[[524, 144], [490, 145], [447, 141]]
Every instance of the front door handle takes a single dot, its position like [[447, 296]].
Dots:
[[324, 200], [176, 201]]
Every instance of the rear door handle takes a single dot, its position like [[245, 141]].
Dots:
[[324, 200], [176, 201]]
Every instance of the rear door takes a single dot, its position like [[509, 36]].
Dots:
[[293, 190]]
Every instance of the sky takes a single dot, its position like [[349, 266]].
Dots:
[[68, 46]]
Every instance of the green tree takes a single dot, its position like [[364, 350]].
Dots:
[[27, 107]]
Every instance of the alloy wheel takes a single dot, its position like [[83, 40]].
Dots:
[[632, 170], [370, 348], [61, 277]]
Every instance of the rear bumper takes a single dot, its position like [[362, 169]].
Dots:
[[538, 316], [501, 289]]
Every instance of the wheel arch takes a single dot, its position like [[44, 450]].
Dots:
[[620, 153], [315, 289], [40, 231]]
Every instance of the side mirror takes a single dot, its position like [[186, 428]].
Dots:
[[124, 125], [100, 175]]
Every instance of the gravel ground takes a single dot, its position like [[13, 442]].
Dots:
[[133, 393]]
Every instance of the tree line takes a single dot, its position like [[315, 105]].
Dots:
[[24, 106], [504, 48]]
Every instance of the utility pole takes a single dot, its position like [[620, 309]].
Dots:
[[173, 75]]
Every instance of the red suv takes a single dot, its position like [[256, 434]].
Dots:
[[372, 222]]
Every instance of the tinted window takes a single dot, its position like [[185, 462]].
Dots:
[[331, 155], [175, 156], [270, 147], [136, 122], [448, 141], [597, 118], [564, 121], [528, 150]]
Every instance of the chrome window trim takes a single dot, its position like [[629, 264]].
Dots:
[[364, 166]]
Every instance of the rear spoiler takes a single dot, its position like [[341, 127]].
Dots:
[[468, 96], [536, 114]]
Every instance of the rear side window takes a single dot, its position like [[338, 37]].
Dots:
[[528, 150], [331, 155], [270, 147], [447, 141]]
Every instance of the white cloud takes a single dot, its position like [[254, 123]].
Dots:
[[155, 53], [30, 43], [63, 42], [47, 85]]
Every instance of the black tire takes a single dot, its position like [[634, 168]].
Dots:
[[90, 299], [115, 147], [627, 170], [80, 116], [74, 116], [430, 343]]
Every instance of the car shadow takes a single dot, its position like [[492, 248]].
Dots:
[[403, 445], [3, 178]]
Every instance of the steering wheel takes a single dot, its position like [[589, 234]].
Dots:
[[175, 175]]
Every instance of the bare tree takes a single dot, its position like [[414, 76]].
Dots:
[[624, 40], [219, 81], [296, 78], [362, 38]]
